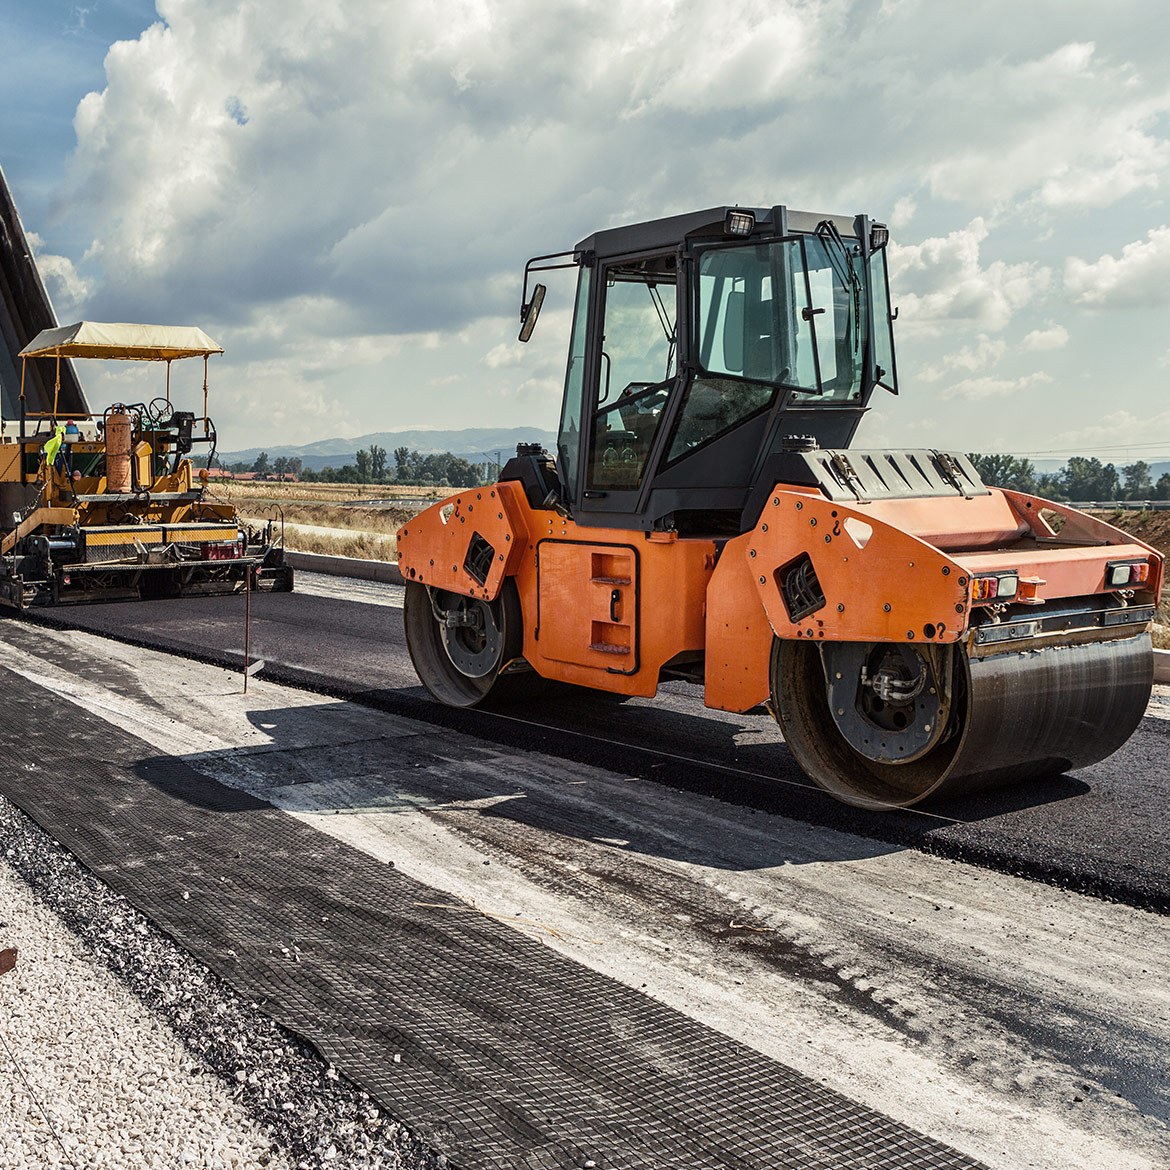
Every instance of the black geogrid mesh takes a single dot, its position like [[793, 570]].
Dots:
[[510, 1056]]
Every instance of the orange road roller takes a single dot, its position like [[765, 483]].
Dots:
[[915, 632]]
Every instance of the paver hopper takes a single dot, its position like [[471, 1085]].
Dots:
[[109, 506]]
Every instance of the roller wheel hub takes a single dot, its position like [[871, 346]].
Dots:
[[888, 700], [462, 646], [470, 632]]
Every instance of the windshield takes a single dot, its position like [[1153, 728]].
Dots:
[[782, 316], [788, 312]]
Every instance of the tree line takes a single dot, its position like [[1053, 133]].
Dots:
[[1080, 478], [371, 465]]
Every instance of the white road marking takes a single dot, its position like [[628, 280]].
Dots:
[[349, 589]]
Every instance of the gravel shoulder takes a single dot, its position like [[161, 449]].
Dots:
[[91, 1076], [120, 1050]]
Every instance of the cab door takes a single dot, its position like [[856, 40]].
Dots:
[[633, 376]]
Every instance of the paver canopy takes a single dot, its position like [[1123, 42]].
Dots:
[[97, 339]]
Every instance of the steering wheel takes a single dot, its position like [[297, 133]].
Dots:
[[159, 410], [638, 390]]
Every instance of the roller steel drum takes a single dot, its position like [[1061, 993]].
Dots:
[[1015, 717]]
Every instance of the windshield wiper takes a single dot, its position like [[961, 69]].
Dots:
[[841, 258]]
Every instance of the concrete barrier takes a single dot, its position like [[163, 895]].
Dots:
[[1162, 666], [357, 567]]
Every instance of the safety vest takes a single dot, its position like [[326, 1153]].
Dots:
[[53, 446]]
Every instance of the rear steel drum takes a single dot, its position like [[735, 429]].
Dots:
[[1008, 717]]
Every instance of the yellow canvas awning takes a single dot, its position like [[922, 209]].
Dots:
[[139, 343]]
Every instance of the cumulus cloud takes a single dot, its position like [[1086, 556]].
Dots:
[[1065, 128], [503, 355], [984, 353], [1139, 276], [1054, 337], [345, 196], [941, 281], [976, 389], [66, 287]]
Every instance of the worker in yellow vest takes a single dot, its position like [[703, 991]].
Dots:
[[52, 448]]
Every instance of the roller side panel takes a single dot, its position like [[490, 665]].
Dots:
[[876, 582], [468, 543], [609, 608], [738, 633]]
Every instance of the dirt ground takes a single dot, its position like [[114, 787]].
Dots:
[[320, 517], [1154, 529]]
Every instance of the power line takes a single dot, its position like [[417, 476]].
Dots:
[[1068, 452]]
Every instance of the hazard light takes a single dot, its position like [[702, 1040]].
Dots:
[[995, 586]]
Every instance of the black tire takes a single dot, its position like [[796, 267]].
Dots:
[[463, 669]]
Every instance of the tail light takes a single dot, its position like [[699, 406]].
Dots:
[[1121, 573], [226, 551], [995, 586]]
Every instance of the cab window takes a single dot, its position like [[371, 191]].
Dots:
[[636, 370]]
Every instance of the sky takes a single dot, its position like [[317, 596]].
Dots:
[[344, 194]]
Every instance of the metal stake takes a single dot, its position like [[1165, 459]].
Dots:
[[247, 623]]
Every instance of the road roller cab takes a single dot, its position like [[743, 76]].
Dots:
[[107, 506], [914, 631]]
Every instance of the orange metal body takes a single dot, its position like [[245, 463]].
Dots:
[[608, 608]]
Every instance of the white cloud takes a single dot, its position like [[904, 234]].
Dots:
[[1139, 276], [941, 281], [345, 195], [1054, 337], [67, 288], [976, 389], [503, 355], [903, 213], [1066, 128], [733, 70], [984, 353], [1115, 430]]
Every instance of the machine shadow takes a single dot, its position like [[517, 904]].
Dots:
[[403, 774], [340, 759]]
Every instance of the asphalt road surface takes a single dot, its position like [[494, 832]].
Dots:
[[533, 959], [1100, 830]]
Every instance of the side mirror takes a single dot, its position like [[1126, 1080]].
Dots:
[[530, 312]]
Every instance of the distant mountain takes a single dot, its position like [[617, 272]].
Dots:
[[475, 444]]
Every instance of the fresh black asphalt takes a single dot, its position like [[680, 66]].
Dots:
[[1100, 831]]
